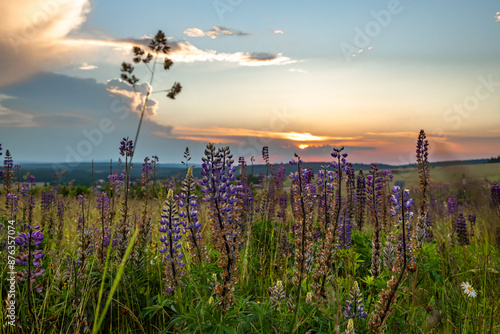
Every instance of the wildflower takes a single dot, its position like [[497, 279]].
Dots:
[[355, 302], [171, 249], [469, 290], [277, 292], [461, 229], [350, 327], [189, 210], [309, 298], [126, 147]]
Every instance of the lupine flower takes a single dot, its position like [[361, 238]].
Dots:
[[189, 210], [265, 154], [350, 327], [102, 205], [221, 194], [303, 204], [360, 200], [423, 174], [31, 257], [452, 205], [351, 192], [401, 212], [12, 201], [345, 233], [171, 249], [354, 306], [309, 296], [126, 148], [277, 293], [461, 230], [374, 200], [468, 290], [495, 195], [7, 174], [428, 233]]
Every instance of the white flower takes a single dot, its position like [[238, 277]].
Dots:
[[469, 290]]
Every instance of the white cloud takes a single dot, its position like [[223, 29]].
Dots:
[[497, 17], [186, 52], [215, 32], [194, 32], [278, 31], [30, 33], [134, 98], [298, 70], [87, 67]]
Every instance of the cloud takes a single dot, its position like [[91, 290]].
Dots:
[[134, 97], [298, 70], [87, 67], [215, 32], [183, 51], [180, 51], [278, 31], [45, 35], [222, 134], [49, 115], [30, 33], [497, 17]]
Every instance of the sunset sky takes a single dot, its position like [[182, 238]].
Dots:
[[293, 75]]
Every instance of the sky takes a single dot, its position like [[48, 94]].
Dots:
[[298, 77]]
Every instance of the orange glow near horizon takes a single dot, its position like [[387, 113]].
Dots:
[[303, 146]]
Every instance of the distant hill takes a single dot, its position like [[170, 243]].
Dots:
[[82, 172]]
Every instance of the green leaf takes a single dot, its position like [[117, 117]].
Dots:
[[435, 277]]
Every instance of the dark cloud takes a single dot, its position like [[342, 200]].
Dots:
[[63, 115]]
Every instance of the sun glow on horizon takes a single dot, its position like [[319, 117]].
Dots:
[[303, 146]]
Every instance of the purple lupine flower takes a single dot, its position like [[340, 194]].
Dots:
[[283, 205], [103, 206], [401, 211], [171, 249], [428, 232], [12, 201], [224, 206], [60, 209], [452, 205], [29, 241], [47, 200], [495, 195], [189, 210], [8, 163], [126, 148], [461, 230], [345, 233], [354, 306]]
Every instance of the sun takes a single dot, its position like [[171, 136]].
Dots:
[[303, 146]]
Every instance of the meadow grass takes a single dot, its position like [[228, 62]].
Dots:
[[337, 291]]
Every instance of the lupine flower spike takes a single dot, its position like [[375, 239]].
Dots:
[[171, 250]]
